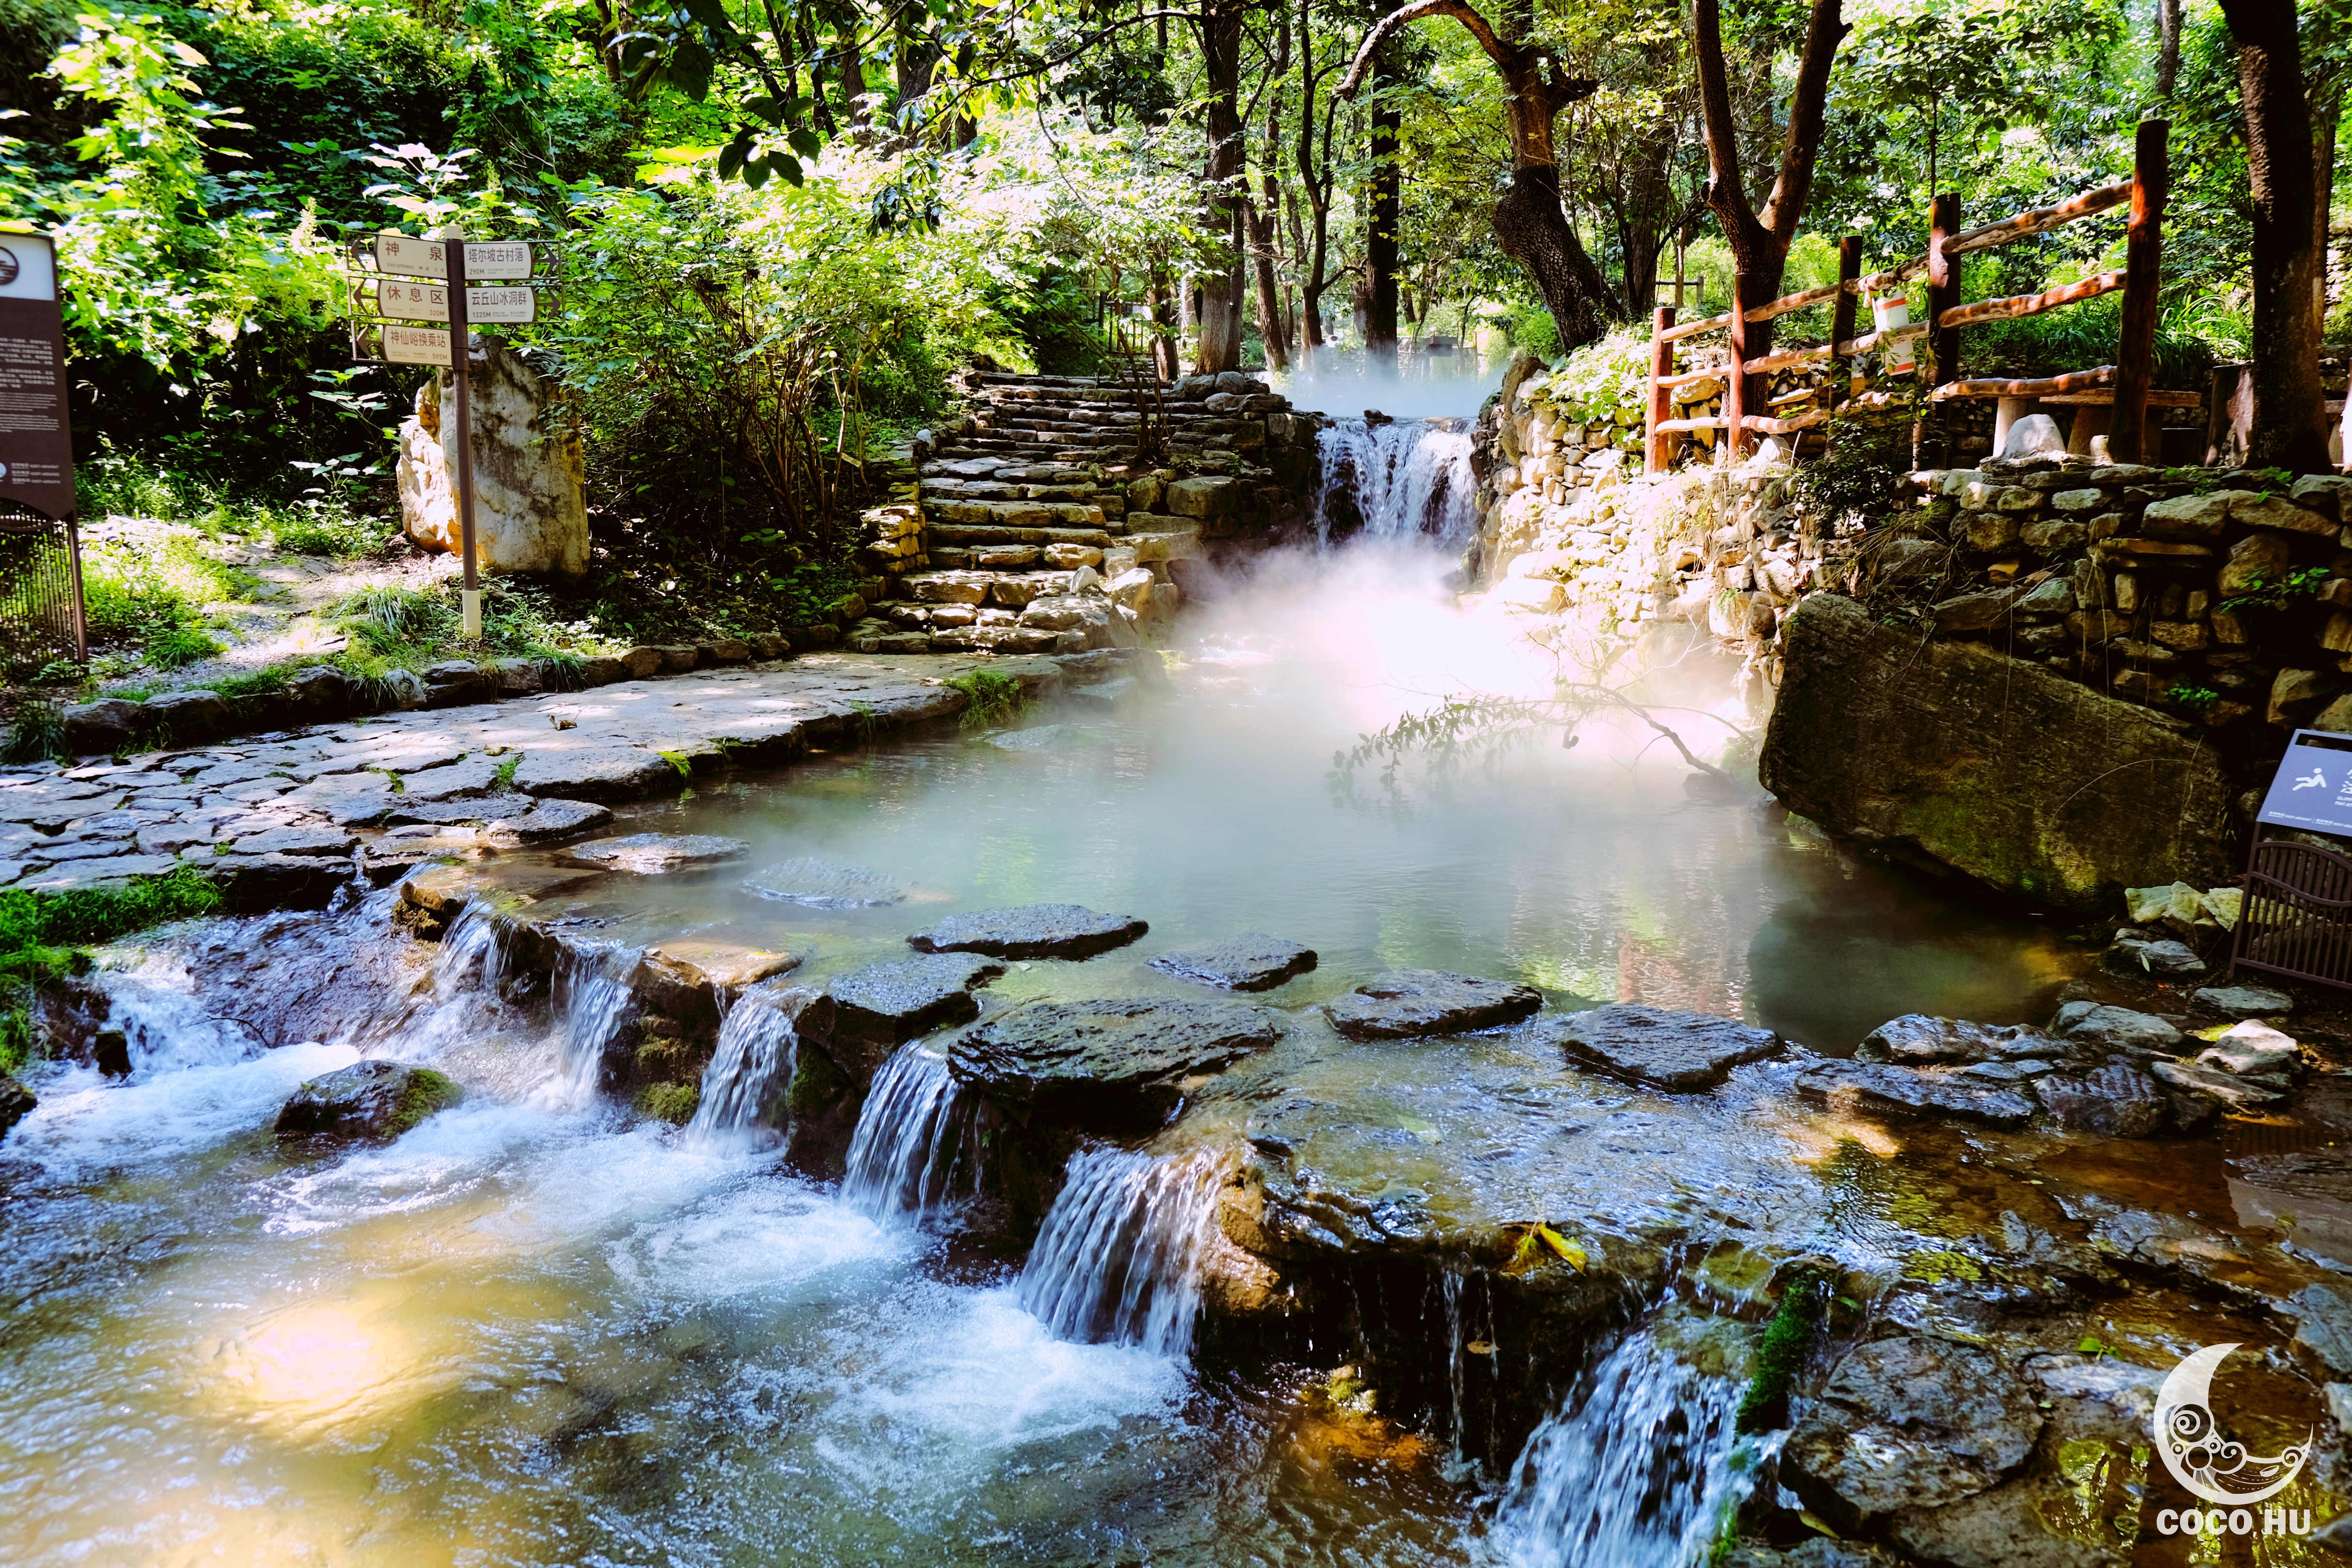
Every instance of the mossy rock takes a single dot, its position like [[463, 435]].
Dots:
[[376, 1101], [672, 1102]]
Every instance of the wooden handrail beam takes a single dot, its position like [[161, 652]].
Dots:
[[1788, 302], [2038, 220], [1869, 341], [1786, 359], [1894, 277], [2017, 305], [1665, 426], [2073, 381], [1786, 427], [1684, 378], [1688, 328]]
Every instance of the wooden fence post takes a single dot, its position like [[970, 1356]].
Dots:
[[2127, 432], [1842, 317], [1943, 294], [1662, 364]]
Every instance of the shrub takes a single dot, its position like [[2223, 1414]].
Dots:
[[991, 697], [38, 932]]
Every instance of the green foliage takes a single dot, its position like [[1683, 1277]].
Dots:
[[2196, 699], [2304, 583], [990, 698], [426, 1092], [1866, 463], [506, 771], [1602, 378]]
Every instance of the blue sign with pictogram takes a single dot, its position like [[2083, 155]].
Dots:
[[2312, 787]]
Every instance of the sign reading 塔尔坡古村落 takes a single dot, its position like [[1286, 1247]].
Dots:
[[36, 443], [493, 261], [2312, 787]]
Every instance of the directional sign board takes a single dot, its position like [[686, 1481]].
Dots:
[[417, 345], [498, 260], [2312, 787], [406, 299]]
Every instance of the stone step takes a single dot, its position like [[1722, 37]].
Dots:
[[966, 535], [1012, 513]]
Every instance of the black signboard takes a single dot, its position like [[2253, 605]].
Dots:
[[2312, 787], [35, 445]]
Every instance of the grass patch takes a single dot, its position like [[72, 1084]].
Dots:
[[41, 933], [36, 734], [991, 697], [504, 775]]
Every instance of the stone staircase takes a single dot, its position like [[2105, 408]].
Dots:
[[1033, 528]]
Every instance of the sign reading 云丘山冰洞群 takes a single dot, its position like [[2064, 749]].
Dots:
[[2312, 787]]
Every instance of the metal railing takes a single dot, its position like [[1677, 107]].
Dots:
[[41, 616], [2297, 917]]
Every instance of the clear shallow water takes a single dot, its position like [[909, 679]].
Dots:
[[533, 1331]]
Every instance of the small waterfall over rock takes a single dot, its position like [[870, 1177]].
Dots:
[[919, 1143], [1640, 1472], [471, 957], [1398, 479], [1120, 1257], [592, 996], [756, 1054]]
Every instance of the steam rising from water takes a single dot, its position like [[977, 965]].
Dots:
[[1420, 386]]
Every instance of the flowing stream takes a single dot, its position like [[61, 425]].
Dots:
[[539, 1328]]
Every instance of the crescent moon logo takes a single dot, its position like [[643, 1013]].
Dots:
[[2191, 1447]]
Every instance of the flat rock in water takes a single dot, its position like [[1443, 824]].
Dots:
[[1104, 1065], [451, 781], [2165, 959], [2239, 1094], [1917, 1039], [727, 965], [888, 1003], [1407, 1001], [548, 821], [375, 1099], [653, 853], [1932, 1091], [297, 841], [2118, 1101], [1030, 930], [16, 1102], [820, 886], [1683, 1052], [470, 812], [2243, 1001], [1910, 1424], [597, 772], [1250, 963], [2115, 1028]]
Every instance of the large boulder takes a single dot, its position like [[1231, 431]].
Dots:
[[371, 1099], [1105, 1066], [1682, 1052], [1030, 930], [1998, 768], [1910, 1424], [530, 511], [1407, 1001]]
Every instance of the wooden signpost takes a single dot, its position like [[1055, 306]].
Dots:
[[403, 279]]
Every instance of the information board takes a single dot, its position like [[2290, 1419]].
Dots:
[[35, 440], [2312, 787]]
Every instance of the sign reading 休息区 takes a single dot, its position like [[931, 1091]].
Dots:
[[2312, 787], [35, 442]]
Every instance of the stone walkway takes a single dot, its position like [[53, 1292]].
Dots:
[[280, 818]]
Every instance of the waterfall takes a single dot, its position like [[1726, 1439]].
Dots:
[[471, 957], [592, 995], [1403, 479], [919, 1143], [1120, 1257], [1640, 1473], [758, 1052]]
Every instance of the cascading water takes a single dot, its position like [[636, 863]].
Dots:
[[1403, 479], [592, 993], [1118, 1259], [758, 1052], [1640, 1473], [918, 1144]]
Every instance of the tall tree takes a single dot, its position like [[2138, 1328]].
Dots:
[[1529, 224], [1220, 347], [1759, 241], [1384, 210], [2289, 257]]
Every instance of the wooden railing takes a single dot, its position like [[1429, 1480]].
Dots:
[[2128, 381]]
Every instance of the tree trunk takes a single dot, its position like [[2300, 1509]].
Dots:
[[1387, 206], [1534, 233], [2327, 109], [1266, 220], [1220, 296], [852, 74], [1164, 341], [2289, 416], [2167, 49]]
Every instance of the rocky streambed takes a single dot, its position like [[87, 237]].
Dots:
[[962, 1152]]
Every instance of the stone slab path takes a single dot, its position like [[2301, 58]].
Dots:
[[280, 818]]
